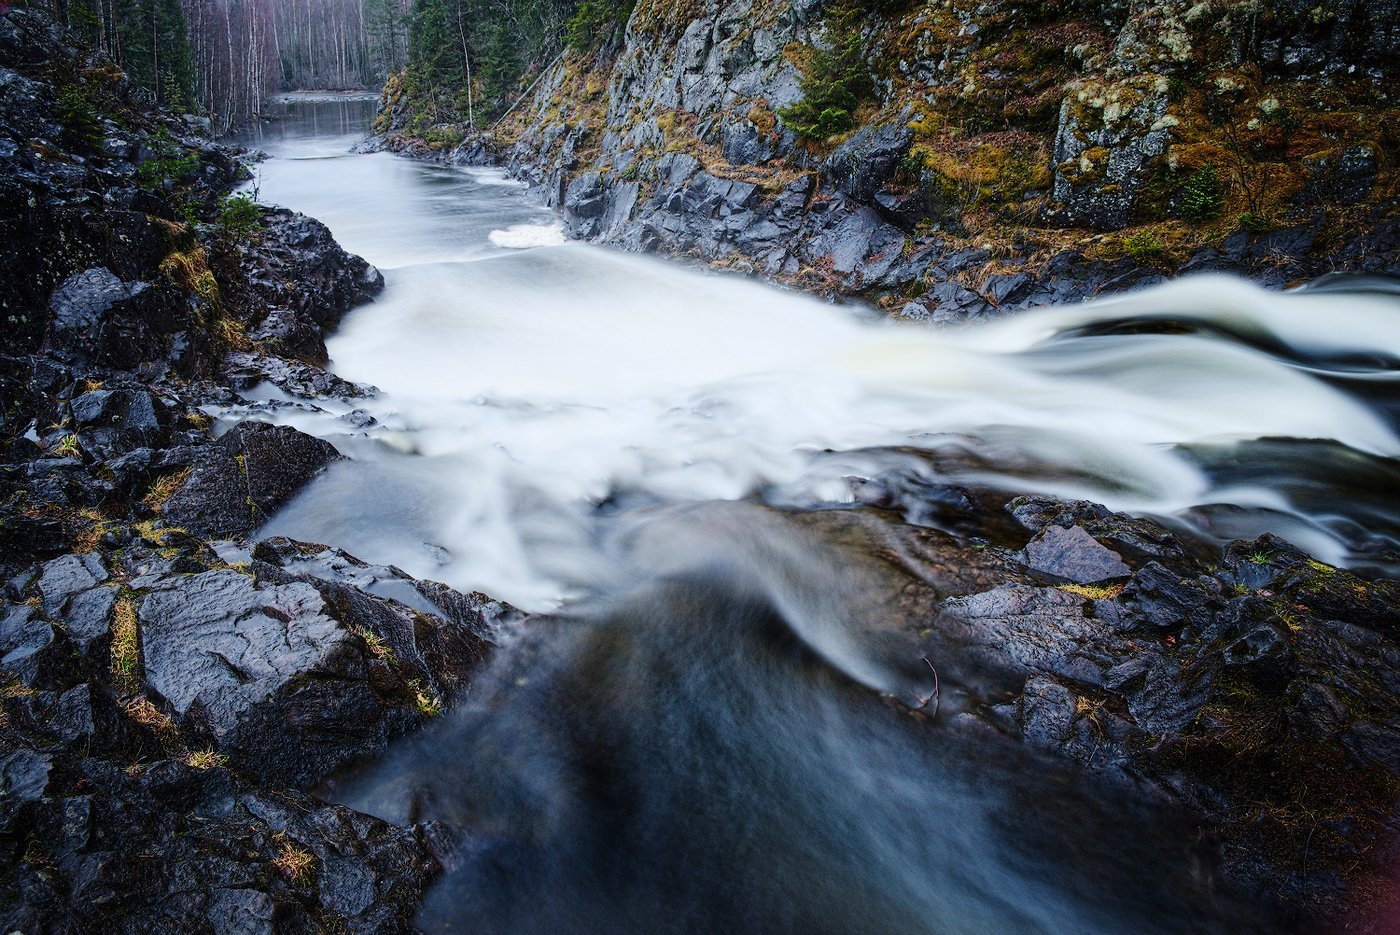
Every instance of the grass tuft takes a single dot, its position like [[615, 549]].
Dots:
[[295, 863]]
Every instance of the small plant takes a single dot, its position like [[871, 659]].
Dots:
[[377, 646], [206, 759], [67, 447], [125, 653], [1200, 195], [1259, 558], [1142, 246], [170, 163], [1255, 222], [428, 704], [295, 863], [240, 216]]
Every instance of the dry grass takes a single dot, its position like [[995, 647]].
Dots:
[[295, 863], [206, 759], [147, 715], [126, 651], [1095, 592], [164, 488]]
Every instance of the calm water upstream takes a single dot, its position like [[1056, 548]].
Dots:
[[692, 751]]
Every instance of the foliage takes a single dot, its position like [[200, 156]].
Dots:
[[170, 163], [240, 216], [832, 87], [77, 111], [1256, 223], [149, 39], [597, 23], [1200, 195], [1142, 246]]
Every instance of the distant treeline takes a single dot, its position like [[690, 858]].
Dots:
[[469, 59], [461, 60], [222, 58]]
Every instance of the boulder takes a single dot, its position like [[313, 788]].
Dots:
[[244, 477], [96, 318], [263, 672]]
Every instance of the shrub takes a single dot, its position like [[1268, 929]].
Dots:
[[171, 162], [831, 90], [1200, 195], [240, 217], [77, 111], [597, 23]]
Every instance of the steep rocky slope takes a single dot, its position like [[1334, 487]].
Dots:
[[994, 154], [163, 710]]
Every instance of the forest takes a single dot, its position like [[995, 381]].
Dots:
[[462, 60], [223, 58]]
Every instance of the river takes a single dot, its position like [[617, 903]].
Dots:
[[625, 440]]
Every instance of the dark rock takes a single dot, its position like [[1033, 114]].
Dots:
[[1170, 697], [244, 370], [1021, 631], [1340, 179], [66, 576], [864, 163], [115, 421], [261, 670], [98, 319], [246, 476], [1074, 555]]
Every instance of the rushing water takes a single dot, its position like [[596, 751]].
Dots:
[[692, 753]]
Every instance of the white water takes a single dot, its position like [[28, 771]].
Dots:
[[527, 381]]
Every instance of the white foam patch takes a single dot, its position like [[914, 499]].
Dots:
[[489, 176], [524, 236]]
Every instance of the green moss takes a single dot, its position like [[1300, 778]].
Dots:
[[1142, 246]]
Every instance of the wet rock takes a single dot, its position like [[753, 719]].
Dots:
[[66, 576], [296, 282], [1016, 630], [864, 163], [244, 370], [1171, 696], [243, 478], [97, 318], [115, 421], [1047, 713], [262, 671], [1345, 178], [1074, 555], [1102, 163]]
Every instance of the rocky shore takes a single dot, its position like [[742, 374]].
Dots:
[[175, 689], [165, 710], [1003, 156]]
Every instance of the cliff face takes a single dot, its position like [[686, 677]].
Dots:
[[977, 155]]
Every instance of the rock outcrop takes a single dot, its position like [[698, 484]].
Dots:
[[1005, 155], [162, 712]]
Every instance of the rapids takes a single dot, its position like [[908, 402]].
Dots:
[[695, 740], [529, 393]]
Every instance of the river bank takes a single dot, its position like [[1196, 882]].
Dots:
[[180, 682]]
